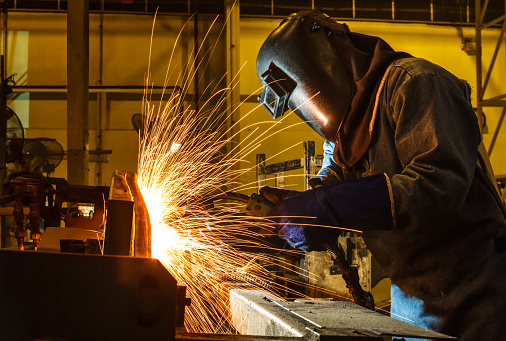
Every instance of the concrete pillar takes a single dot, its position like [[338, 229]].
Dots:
[[77, 91]]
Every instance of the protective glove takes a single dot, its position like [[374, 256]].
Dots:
[[362, 204]]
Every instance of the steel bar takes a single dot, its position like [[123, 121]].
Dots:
[[493, 22], [494, 101], [496, 131], [492, 62], [284, 166], [481, 13], [91, 89], [309, 163], [260, 171]]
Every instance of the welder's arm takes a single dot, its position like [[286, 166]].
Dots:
[[362, 204]]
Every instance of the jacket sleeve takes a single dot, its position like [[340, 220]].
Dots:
[[436, 139], [358, 205]]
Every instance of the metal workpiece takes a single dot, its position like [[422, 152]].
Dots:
[[118, 228], [142, 224], [256, 312], [77, 297], [129, 222]]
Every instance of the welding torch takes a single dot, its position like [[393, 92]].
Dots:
[[256, 205], [259, 206]]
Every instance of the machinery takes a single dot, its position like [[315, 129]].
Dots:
[[84, 283]]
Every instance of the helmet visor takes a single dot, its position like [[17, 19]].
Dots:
[[276, 91]]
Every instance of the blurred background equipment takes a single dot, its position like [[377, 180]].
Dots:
[[42, 155]]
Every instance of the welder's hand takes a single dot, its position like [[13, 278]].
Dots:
[[266, 203], [294, 226], [307, 219], [274, 195]]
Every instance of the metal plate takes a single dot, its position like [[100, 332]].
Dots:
[[256, 312], [79, 297]]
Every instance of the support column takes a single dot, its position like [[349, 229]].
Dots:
[[77, 91], [234, 91]]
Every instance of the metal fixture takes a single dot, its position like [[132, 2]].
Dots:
[[482, 82]]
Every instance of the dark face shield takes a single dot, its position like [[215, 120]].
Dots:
[[276, 92], [300, 70]]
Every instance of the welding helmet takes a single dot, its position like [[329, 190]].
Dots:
[[300, 69]]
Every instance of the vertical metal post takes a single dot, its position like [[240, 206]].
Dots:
[[479, 94], [309, 163], [279, 179], [3, 141], [431, 10], [3, 116], [101, 94], [77, 91], [467, 11], [196, 55], [6, 37], [232, 78], [260, 171]]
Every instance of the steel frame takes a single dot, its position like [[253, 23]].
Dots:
[[482, 82]]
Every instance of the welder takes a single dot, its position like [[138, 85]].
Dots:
[[403, 162]]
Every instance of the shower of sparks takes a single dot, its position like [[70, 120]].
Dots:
[[183, 164], [186, 158]]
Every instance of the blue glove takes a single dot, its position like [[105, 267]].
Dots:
[[362, 204]]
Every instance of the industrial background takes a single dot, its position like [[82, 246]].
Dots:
[[119, 37], [100, 51]]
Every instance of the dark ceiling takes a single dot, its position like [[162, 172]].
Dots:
[[437, 11]]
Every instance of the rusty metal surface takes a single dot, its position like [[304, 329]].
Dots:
[[255, 312]]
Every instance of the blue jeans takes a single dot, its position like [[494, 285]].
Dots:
[[410, 309]]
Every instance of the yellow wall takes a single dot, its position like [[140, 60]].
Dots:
[[37, 53]]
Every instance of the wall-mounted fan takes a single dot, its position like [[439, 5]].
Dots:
[[41, 155], [15, 137]]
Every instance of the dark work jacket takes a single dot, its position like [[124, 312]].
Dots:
[[442, 247]]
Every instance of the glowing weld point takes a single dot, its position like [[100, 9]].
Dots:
[[175, 147]]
